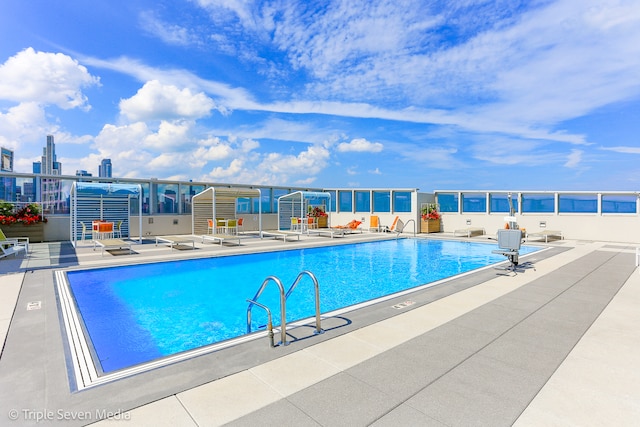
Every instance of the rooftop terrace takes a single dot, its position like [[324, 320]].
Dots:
[[556, 344]]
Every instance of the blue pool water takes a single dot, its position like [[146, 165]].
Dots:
[[135, 314]]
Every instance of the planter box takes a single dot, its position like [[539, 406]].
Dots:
[[35, 232], [430, 226], [322, 221]]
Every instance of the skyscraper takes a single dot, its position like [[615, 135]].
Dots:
[[104, 169], [6, 160], [51, 191], [8, 190]]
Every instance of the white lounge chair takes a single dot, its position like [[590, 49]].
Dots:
[[111, 244], [220, 238], [11, 246], [175, 241], [281, 234], [546, 234], [469, 232]]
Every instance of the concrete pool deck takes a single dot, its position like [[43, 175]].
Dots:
[[556, 345]]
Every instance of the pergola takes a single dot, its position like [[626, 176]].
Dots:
[[220, 202], [296, 205], [92, 201]]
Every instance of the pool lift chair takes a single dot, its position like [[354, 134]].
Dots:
[[509, 242]]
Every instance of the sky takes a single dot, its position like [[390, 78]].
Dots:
[[435, 95]]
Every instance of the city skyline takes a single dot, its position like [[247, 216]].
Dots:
[[430, 95]]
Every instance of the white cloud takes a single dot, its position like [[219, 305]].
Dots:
[[169, 33], [213, 148], [574, 159], [46, 79], [310, 161], [156, 101], [624, 150], [360, 145]]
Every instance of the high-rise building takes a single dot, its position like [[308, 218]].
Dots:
[[52, 194], [6, 160], [104, 169], [48, 164], [7, 185], [81, 172]]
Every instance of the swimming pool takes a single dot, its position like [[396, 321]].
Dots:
[[135, 314]]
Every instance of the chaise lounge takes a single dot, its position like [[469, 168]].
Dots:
[[175, 241], [546, 234], [111, 244], [13, 245], [220, 238], [469, 232]]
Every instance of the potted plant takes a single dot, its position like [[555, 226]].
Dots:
[[430, 218], [26, 221], [319, 213]]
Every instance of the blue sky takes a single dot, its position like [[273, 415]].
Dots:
[[467, 94]]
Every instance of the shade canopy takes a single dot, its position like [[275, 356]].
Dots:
[[296, 205], [92, 201], [220, 202]]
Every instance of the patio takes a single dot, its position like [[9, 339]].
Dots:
[[550, 345]]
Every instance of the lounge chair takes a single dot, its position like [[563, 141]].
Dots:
[[374, 223], [175, 241], [281, 234], [469, 232], [13, 245], [352, 226], [546, 234], [220, 238], [332, 232], [112, 244]]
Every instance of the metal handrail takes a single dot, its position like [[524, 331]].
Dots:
[[269, 322], [405, 226], [283, 315], [317, 295]]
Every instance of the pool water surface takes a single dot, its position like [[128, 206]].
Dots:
[[135, 314]]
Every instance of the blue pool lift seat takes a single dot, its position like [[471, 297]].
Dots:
[[509, 242]]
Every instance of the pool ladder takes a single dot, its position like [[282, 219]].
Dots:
[[283, 306]]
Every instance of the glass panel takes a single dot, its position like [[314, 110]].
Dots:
[[186, 194], [382, 201], [578, 203], [267, 203], [499, 202], [55, 195], [277, 193], [166, 199], [448, 202], [402, 201], [243, 204], [363, 201], [538, 203], [619, 204], [474, 202], [334, 205], [346, 202]]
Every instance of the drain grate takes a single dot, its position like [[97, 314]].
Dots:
[[402, 305], [34, 305]]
